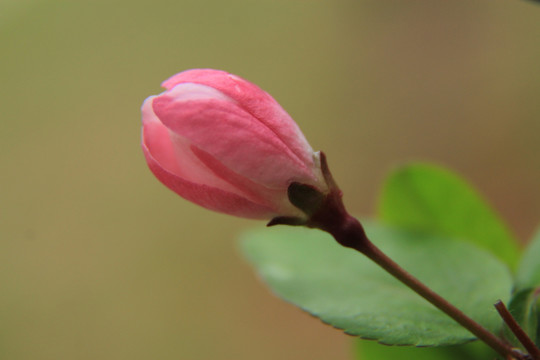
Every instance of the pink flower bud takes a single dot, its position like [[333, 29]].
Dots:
[[223, 143]]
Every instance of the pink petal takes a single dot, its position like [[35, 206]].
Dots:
[[156, 136], [208, 197], [175, 156], [255, 101], [250, 189], [233, 137]]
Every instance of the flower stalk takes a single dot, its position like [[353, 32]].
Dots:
[[327, 212], [517, 330]]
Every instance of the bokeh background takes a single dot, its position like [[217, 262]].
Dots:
[[98, 260]]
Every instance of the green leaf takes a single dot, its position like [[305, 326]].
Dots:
[[430, 198], [528, 274], [523, 307], [346, 290], [370, 350]]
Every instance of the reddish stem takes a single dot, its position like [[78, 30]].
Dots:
[[327, 212], [518, 331]]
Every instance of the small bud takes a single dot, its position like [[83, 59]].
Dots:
[[223, 143]]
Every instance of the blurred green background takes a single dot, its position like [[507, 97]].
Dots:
[[98, 260]]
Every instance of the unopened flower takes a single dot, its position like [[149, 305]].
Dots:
[[223, 143]]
